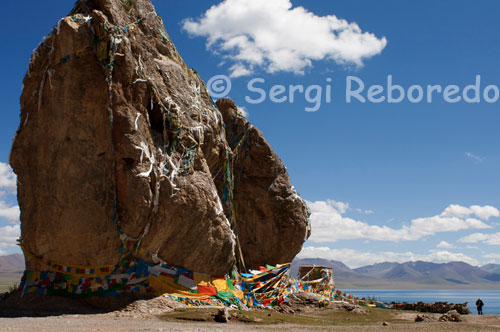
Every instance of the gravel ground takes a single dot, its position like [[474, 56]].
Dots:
[[113, 323], [47, 314]]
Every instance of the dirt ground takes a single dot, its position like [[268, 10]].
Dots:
[[108, 323], [38, 313]]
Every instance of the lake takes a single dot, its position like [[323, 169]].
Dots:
[[491, 298]]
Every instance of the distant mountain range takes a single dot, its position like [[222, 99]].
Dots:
[[493, 268], [453, 275], [11, 270], [12, 263]]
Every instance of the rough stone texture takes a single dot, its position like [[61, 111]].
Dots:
[[301, 299], [117, 130], [451, 316], [262, 192], [436, 307], [149, 307], [424, 318], [222, 316], [304, 302]]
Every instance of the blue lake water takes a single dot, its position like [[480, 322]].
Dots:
[[491, 298]]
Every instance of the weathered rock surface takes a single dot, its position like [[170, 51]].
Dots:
[[262, 192], [222, 316], [424, 318], [451, 316], [303, 301], [436, 307], [116, 130]]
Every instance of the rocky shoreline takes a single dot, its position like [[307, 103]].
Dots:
[[436, 307]]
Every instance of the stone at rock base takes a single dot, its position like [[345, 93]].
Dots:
[[424, 318], [437, 307], [303, 302], [222, 316], [451, 316], [302, 299]]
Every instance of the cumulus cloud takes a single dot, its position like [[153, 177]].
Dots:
[[8, 183], [274, 36], [355, 258], [8, 236], [11, 213], [341, 207], [7, 177], [329, 225], [238, 70], [491, 239], [444, 244], [482, 212]]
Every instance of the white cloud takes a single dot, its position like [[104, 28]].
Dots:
[[238, 70], [328, 225], [455, 210], [491, 239], [444, 244], [276, 37], [473, 157], [243, 111], [11, 213], [483, 212], [367, 212], [341, 207], [355, 258], [8, 182], [8, 236], [7, 177]]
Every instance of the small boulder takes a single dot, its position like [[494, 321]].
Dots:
[[423, 318], [344, 306], [222, 316], [451, 316], [302, 299]]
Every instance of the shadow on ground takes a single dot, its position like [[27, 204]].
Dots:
[[35, 305]]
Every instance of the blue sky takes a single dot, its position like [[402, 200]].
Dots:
[[384, 181]]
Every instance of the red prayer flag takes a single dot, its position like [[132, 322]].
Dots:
[[207, 290]]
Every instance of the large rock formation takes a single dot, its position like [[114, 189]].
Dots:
[[121, 147], [265, 204]]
